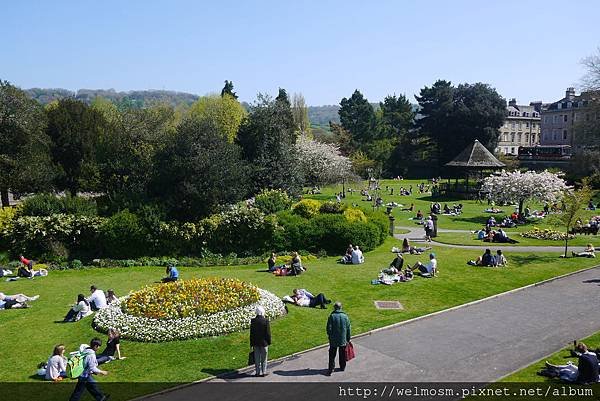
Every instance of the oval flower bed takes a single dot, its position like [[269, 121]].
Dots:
[[548, 234], [190, 309]]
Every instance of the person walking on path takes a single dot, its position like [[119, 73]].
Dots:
[[86, 379], [338, 332], [260, 339]]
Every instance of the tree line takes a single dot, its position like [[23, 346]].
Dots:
[[182, 163]]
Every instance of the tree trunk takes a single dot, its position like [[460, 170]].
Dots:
[[4, 197], [521, 207], [567, 242]]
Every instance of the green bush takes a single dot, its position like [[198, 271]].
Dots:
[[54, 237], [307, 208], [352, 214], [48, 204], [382, 222], [123, 235], [241, 230], [293, 233], [7, 216], [271, 201], [332, 207]]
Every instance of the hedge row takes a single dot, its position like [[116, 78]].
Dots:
[[240, 229]]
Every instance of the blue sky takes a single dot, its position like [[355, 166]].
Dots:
[[324, 49]]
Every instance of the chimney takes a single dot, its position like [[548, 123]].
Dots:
[[512, 102], [570, 93]]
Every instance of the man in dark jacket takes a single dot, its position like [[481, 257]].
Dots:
[[260, 339], [338, 331], [587, 365]]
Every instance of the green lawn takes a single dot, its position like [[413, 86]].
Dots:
[[29, 335], [575, 244], [184, 361], [472, 218]]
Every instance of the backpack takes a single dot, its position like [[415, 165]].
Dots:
[[75, 364]]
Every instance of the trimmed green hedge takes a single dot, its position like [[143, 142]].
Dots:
[[239, 230]]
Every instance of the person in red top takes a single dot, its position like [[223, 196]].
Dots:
[[27, 269]]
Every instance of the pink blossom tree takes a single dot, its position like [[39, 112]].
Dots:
[[520, 187]]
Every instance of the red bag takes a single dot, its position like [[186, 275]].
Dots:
[[350, 351]]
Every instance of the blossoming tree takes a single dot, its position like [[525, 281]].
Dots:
[[322, 163], [520, 187]]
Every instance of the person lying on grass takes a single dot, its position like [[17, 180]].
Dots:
[[407, 248], [28, 271], [302, 297], [17, 301], [428, 270]]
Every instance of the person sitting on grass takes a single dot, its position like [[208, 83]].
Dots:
[[357, 256], [111, 297], [56, 367], [500, 259], [17, 301], [419, 215], [302, 297], [271, 262], [80, 310], [97, 300], [487, 259], [26, 270], [428, 270], [588, 252], [347, 258], [586, 371], [398, 262], [112, 347], [172, 274]]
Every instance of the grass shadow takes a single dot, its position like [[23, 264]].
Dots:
[[225, 373], [534, 258]]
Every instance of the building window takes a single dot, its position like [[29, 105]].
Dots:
[[576, 117], [520, 125], [512, 136], [512, 125], [526, 125], [556, 118], [526, 138], [512, 151], [565, 134], [519, 136], [566, 117]]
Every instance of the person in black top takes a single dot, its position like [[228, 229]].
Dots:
[[271, 262], [398, 262], [112, 348], [587, 365], [260, 339]]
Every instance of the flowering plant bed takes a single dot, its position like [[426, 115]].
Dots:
[[189, 298], [547, 234], [224, 318]]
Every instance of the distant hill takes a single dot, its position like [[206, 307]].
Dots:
[[131, 98], [322, 115]]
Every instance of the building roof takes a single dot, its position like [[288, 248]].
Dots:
[[476, 156]]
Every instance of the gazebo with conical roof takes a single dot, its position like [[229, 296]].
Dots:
[[474, 160]]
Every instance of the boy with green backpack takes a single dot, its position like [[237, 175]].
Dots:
[[83, 365]]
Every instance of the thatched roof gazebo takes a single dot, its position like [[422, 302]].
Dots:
[[474, 160]]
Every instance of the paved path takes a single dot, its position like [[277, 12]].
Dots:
[[481, 342], [416, 234]]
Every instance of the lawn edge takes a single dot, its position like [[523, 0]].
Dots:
[[389, 327]]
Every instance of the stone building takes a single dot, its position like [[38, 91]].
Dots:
[[521, 127], [561, 117]]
